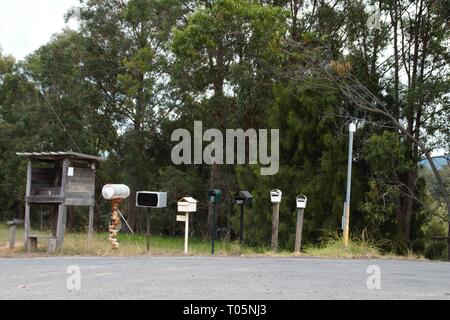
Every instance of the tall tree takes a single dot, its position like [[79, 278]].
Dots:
[[125, 59]]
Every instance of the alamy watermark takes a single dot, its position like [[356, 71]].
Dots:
[[74, 280], [374, 280], [235, 147]]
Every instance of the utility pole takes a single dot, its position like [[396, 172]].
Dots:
[[346, 218]]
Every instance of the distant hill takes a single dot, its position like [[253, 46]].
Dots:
[[439, 162]]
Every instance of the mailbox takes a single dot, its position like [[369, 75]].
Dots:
[[187, 204], [149, 199], [214, 195], [275, 196], [243, 196], [301, 201], [115, 191]]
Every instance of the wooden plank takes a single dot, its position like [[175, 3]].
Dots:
[[80, 202], [82, 172], [44, 191], [44, 199], [80, 188], [81, 179], [91, 225], [66, 164]]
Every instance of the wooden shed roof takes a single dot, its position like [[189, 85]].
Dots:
[[59, 156]]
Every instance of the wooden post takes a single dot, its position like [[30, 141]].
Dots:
[[91, 225], [275, 223], [298, 233], [27, 225], [186, 233], [62, 209], [12, 236], [61, 226], [346, 224], [54, 219], [91, 213]]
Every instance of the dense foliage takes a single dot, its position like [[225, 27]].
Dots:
[[136, 70]]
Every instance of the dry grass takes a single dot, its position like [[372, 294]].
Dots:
[[333, 247], [75, 244]]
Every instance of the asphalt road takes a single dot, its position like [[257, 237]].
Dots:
[[222, 278]]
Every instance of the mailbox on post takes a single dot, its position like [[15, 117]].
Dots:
[[275, 196], [242, 197], [301, 202], [214, 197], [186, 205], [150, 199], [115, 193]]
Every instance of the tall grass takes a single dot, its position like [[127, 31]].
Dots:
[[75, 244]]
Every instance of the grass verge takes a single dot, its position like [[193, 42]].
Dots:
[[75, 244]]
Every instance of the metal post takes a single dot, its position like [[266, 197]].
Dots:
[[213, 227], [186, 233], [352, 129], [148, 229], [298, 234], [241, 233]]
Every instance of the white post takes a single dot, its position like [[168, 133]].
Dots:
[[186, 233]]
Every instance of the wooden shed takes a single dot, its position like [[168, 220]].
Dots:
[[59, 179]]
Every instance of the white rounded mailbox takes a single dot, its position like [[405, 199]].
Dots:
[[301, 201], [115, 191], [275, 196]]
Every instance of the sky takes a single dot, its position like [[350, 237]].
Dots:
[[25, 25]]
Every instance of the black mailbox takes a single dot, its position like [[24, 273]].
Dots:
[[243, 196]]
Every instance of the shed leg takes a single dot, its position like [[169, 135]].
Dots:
[[27, 225], [54, 219], [61, 227], [91, 225]]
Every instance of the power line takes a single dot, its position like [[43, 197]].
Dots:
[[58, 118]]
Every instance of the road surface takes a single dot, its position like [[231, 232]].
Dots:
[[222, 278]]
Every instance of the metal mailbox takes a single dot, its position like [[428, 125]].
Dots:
[[150, 199], [301, 201], [243, 197], [115, 191], [214, 195], [275, 196], [187, 204]]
